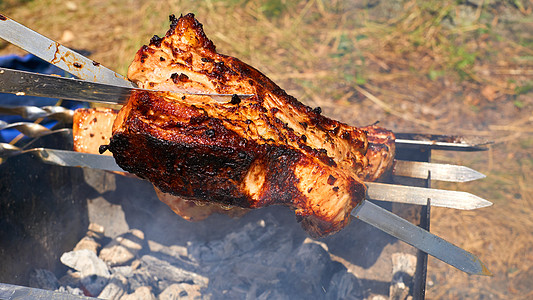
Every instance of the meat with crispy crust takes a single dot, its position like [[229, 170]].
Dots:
[[254, 152]]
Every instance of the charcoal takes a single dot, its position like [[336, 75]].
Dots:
[[141, 277], [403, 271], [141, 293], [115, 288], [126, 271], [72, 279], [172, 250], [85, 262], [92, 240], [70, 290], [96, 231], [307, 272], [123, 248], [272, 294], [135, 264], [344, 285], [174, 254], [264, 260], [94, 272], [256, 256], [165, 271], [94, 284], [249, 237], [88, 243], [111, 216], [181, 291], [43, 279]]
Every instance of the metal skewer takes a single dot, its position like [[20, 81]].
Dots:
[[433, 245], [58, 55]]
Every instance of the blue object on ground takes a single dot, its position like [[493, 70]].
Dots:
[[29, 63]]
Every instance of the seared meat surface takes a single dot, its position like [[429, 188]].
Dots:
[[92, 127], [250, 153], [191, 154], [380, 152]]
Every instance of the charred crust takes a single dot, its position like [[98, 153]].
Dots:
[[156, 41], [203, 172], [177, 78], [345, 135], [77, 65], [174, 77], [331, 180], [103, 148], [143, 57], [210, 133], [174, 22], [235, 99]]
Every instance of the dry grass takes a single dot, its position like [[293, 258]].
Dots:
[[430, 66]]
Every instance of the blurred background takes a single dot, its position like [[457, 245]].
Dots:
[[440, 67]]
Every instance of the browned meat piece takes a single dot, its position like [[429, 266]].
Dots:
[[92, 128], [264, 150], [380, 153], [191, 154]]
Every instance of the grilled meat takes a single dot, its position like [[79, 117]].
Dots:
[[185, 145], [380, 153], [91, 128], [265, 150]]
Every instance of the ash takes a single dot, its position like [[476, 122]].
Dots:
[[258, 260]]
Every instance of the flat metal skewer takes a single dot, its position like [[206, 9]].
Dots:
[[419, 196], [433, 245], [24, 83], [441, 172], [58, 55]]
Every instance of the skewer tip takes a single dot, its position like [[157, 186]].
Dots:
[[484, 270]]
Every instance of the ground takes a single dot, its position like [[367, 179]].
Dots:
[[444, 67]]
